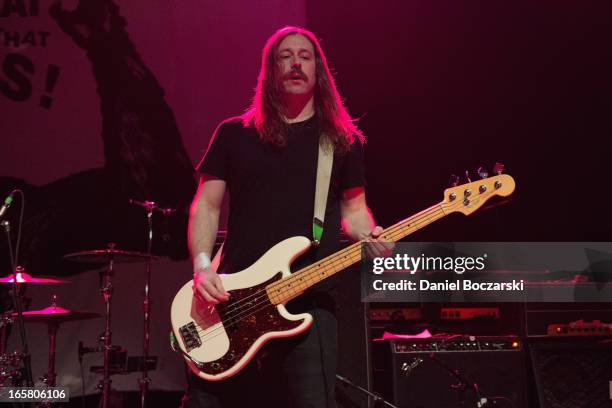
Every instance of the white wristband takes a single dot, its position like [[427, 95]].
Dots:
[[201, 261]]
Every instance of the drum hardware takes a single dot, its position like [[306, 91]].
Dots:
[[106, 288], [53, 316], [112, 359], [17, 305], [140, 364], [117, 359], [120, 363], [23, 277], [11, 369], [6, 320], [145, 361], [103, 256], [10, 363]]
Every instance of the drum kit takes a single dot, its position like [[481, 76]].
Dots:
[[12, 365]]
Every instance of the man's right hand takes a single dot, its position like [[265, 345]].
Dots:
[[208, 286]]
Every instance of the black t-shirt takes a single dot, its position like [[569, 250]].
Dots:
[[272, 190]]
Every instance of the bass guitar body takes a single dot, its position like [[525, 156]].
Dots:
[[219, 340]]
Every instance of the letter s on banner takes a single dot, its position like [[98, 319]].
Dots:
[[13, 67]]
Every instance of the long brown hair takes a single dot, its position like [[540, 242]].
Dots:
[[266, 110]]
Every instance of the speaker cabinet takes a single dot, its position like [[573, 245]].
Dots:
[[573, 372]]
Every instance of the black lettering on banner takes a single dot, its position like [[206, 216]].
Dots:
[[43, 38], [29, 38], [13, 6], [19, 7], [11, 38], [15, 39], [52, 74], [14, 67], [33, 8]]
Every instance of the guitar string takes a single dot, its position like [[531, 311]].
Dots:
[[390, 231], [399, 227], [211, 333], [220, 330], [401, 224], [330, 261]]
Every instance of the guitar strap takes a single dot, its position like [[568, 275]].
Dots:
[[325, 161]]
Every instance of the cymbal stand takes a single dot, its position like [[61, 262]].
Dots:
[[6, 319], [52, 327], [107, 290], [144, 381], [49, 378]]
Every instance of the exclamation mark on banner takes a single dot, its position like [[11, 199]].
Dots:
[[52, 75]]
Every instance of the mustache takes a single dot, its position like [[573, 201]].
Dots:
[[294, 72]]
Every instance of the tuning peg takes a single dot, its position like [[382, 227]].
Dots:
[[482, 172], [498, 168], [467, 176], [454, 180]]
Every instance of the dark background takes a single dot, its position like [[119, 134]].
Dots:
[[439, 87], [445, 87]]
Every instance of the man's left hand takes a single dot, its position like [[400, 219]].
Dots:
[[377, 246]]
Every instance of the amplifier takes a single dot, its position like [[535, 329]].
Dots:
[[417, 373], [572, 372], [394, 314], [466, 313], [581, 328], [456, 343], [540, 316]]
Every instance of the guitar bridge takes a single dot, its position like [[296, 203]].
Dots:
[[190, 336]]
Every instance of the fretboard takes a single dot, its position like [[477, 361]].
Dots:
[[294, 285]]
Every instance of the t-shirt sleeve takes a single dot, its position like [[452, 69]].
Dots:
[[353, 173], [216, 159]]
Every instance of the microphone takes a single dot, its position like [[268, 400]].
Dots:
[[7, 203], [152, 206]]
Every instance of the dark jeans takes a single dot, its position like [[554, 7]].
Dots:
[[296, 372]]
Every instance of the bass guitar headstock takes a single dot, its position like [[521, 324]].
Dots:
[[469, 197]]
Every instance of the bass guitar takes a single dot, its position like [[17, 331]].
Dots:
[[217, 341]]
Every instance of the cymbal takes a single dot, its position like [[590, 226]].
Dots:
[[102, 256], [56, 314], [23, 277]]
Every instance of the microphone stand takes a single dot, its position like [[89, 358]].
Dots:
[[144, 381], [463, 385], [27, 364], [378, 400]]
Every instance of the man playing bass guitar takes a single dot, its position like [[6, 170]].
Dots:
[[267, 160]]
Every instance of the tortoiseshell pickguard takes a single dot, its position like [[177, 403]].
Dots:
[[255, 321]]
